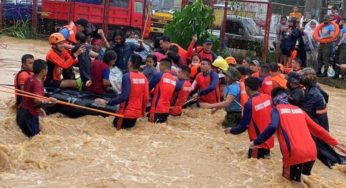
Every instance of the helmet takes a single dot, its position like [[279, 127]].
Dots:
[[220, 63], [231, 60], [56, 38]]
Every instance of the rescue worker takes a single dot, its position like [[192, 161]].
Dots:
[[232, 99], [58, 59], [181, 92], [204, 52], [256, 119], [133, 98], [278, 79], [265, 80], [162, 86], [296, 143], [30, 109], [207, 84], [24, 73], [82, 25]]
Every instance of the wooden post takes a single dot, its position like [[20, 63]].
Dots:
[[105, 17], [144, 16], [34, 17], [223, 27], [343, 9]]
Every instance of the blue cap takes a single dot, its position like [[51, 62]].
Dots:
[[208, 41]]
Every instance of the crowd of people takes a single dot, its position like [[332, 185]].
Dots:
[[319, 46], [257, 97]]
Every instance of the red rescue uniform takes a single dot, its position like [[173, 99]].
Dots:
[[296, 143], [135, 106], [203, 82], [261, 109], [179, 98], [267, 86], [57, 62], [163, 93]]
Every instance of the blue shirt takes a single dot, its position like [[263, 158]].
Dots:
[[125, 93], [326, 30], [343, 31], [149, 72], [234, 90]]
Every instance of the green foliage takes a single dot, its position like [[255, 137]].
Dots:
[[195, 18], [20, 29]]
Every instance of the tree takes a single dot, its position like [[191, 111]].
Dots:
[[195, 18]]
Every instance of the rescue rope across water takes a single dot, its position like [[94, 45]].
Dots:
[[34, 96]]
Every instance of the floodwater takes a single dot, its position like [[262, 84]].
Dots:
[[188, 151]]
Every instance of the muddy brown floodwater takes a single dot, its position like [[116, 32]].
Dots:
[[188, 151]]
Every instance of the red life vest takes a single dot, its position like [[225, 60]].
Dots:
[[135, 107], [296, 143], [267, 86], [179, 98], [27, 74], [97, 69], [163, 93], [261, 110], [203, 82]]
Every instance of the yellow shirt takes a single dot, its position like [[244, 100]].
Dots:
[[297, 15]]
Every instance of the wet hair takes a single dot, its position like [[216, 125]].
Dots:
[[277, 91], [173, 48], [153, 57], [136, 61], [120, 33], [265, 68], [274, 67], [81, 37], [166, 62], [186, 70], [207, 60], [39, 65], [26, 57], [157, 43], [109, 56], [252, 83], [165, 38], [174, 57], [242, 70]]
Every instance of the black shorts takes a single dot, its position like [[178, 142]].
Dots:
[[28, 123], [259, 153], [158, 117], [124, 123], [294, 172], [52, 83]]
